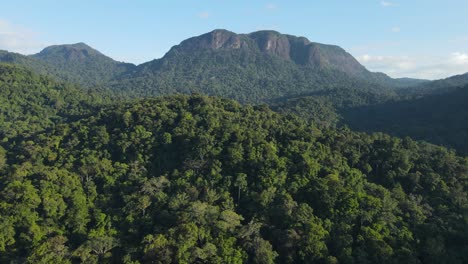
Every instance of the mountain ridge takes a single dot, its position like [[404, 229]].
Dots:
[[254, 67], [299, 50], [73, 62]]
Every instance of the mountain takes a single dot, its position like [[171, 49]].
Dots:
[[75, 63], [254, 67], [82, 64], [295, 49], [298, 50]]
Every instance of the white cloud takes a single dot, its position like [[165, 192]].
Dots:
[[396, 29], [271, 6], [15, 38], [459, 58], [417, 67], [204, 15], [386, 3]]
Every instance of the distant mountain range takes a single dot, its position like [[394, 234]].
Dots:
[[322, 83], [251, 67]]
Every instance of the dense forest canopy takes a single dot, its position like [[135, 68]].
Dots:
[[438, 118], [89, 175], [30, 103], [180, 179]]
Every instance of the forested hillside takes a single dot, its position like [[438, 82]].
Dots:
[[196, 179], [74, 63], [326, 108], [86, 177], [82, 64], [438, 86], [439, 118], [253, 68], [30, 103]]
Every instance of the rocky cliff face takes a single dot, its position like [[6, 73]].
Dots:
[[273, 43], [215, 40], [296, 49]]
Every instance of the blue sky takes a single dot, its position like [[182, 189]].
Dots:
[[411, 38]]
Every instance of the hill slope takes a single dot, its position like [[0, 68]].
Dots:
[[440, 118], [74, 63], [437, 86], [30, 103], [197, 179], [82, 64]]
